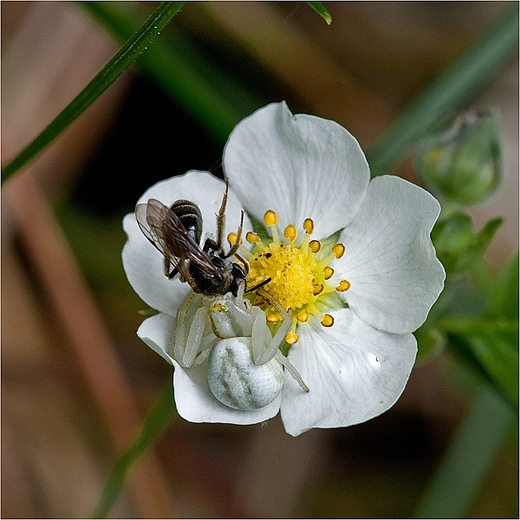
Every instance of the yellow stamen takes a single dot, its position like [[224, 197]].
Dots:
[[343, 286], [290, 232], [273, 318], [318, 289], [327, 320], [338, 250], [252, 238], [308, 226], [328, 272], [232, 238], [314, 246], [303, 316], [270, 218], [291, 338]]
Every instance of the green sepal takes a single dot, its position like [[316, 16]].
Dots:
[[459, 246]]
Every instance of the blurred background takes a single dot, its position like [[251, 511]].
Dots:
[[76, 380]]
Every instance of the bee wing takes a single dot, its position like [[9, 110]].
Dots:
[[150, 217], [161, 226]]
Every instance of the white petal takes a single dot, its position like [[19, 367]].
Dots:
[[389, 257], [143, 263], [299, 166], [156, 332], [196, 403], [354, 373]]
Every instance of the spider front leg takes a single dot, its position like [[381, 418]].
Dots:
[[264, 346], [190, 342]]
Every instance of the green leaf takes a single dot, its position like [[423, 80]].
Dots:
[[490, 341], [134, 47], [448, 91], [320, 9], [157, 419], [504, 302], [494, 348]]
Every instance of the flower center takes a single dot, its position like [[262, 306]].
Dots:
[[297, 272], [287, 267]]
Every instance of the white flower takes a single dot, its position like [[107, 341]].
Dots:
[[352, 259]]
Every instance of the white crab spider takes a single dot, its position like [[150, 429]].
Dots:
[[245, 366]]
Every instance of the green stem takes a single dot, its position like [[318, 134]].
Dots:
[[136, 45], [448, 91], [153, 425], [469, 458]]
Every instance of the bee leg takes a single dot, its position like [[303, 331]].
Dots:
[[221, 218], [166, 266], [211, 245], [170, 274], [236, 245]]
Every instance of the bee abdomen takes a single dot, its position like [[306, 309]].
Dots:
[[190, 216]]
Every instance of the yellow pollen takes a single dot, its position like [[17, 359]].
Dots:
[[290, 232], [338, 250], [303, 316], [343, 286], [291, 338], [308, 225], [315, 246], [218, 307], [273, 318], [327, 320], [252, 238], [328, 272], [232, 238], [291, 272], [270, 218]]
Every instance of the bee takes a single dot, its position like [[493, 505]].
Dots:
[[176, 231]]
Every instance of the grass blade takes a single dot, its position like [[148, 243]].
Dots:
[[153, 425], [121, 60], [320, 9]]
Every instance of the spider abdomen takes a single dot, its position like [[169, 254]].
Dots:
[[236, 381]]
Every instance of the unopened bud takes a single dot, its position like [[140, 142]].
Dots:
[[462, 164]]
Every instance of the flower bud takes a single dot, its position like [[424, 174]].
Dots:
[[462, 164]]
